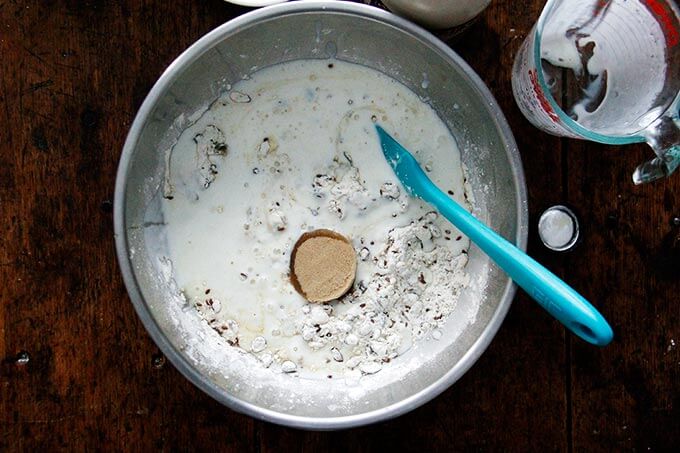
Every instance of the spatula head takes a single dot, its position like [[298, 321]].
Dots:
[[403, 163]]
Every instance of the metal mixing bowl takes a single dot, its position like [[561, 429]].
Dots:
[[359, 34]]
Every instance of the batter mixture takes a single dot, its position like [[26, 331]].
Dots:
[[294, 149]]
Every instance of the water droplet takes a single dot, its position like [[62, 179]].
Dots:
[[106, 206], [23, 358], [426, 82], [158, 361], [317, 29], [331, 49]]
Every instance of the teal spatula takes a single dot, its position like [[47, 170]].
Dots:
[[558, 298]]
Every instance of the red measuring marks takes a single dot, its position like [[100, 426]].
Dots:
[[545, 105], [666, 19]]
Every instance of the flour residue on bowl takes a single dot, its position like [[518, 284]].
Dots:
[[292, 149]]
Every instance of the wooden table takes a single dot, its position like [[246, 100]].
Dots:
[[79, 371]]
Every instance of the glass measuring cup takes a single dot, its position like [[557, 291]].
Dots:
[[606, 71]]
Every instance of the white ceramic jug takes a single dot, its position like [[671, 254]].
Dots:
[[438, 14]]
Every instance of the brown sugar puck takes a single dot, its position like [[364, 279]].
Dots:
[[323, 265]]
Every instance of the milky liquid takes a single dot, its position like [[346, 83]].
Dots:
[[240, 190], [614, 61]]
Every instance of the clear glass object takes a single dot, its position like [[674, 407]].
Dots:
[[606, 71], [558, 228]]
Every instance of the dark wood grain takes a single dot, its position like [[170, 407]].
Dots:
[[79, 372], [627, 395]]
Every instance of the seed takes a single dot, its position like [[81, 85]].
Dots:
[[364, 253], [351, 339], [336, 354], [370, 367], [239, 98]]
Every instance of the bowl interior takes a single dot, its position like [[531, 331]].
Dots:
[[360, 35]]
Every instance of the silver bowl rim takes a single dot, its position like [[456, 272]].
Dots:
[[180, 362]]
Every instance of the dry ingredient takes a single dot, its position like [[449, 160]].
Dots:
[[290, 150], [413, 289]]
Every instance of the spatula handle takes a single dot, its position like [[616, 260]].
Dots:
[[553, 294]]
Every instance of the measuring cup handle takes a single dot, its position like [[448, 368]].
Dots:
[[659, 167], [664, 138]]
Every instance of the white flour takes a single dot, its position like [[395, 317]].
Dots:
[[290, 150], [398, 303]]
